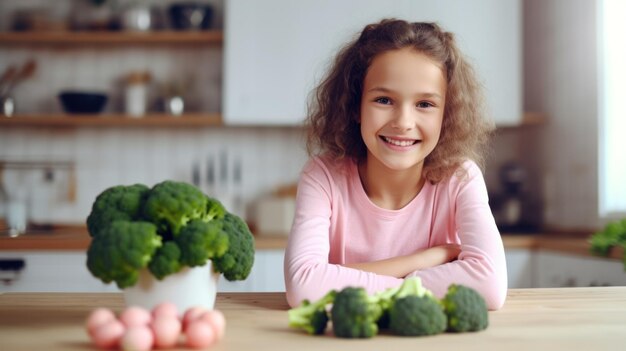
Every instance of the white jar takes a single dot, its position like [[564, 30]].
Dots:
[[136, 99]]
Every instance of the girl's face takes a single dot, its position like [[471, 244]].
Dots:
[[402, 108]]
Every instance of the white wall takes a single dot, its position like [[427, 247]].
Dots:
[[560, 66]]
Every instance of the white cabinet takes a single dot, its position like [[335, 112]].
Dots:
[[52, 271], [561, 270], [277, 50], [519, 266], [66, 271], [266, 276], [547, 269]]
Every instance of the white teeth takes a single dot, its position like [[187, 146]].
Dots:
[[399, 142]]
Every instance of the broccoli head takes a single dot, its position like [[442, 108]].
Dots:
[[120, 250], [465, 308], [171, 205], [237, 262], [121, 202], [416, 316], [166, 260], [410, 287], [312, 317], [200, 241], [354, 314]]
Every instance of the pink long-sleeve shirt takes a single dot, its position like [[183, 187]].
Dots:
[[336, 224]]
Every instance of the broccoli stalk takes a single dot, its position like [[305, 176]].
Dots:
[[465, 308], [354, 314], [312, 317], [121, 250]]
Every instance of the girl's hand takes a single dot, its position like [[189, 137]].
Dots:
[[437, 255]]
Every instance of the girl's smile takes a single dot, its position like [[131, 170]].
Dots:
[[400, 144]]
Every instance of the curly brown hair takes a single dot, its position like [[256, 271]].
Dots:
[[332, 122]]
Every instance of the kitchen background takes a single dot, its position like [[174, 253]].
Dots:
[[542, 174]]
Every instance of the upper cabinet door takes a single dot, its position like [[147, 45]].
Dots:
[[277, 51]]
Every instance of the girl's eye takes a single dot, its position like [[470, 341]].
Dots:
[[383, 100], [424, 104]]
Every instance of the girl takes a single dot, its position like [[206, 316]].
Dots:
[[393, 189]]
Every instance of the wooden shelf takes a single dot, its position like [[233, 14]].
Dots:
[[112, 120], [529, 119], [534, 119], [70, 38]]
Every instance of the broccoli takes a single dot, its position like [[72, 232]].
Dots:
[[200, 241], [312, 317], [163, 229], [170, 205], [166, 260], [122, 202], [410, 287], [354, 314], [237, 262], [416, 316], [120, 250], [465, 308]]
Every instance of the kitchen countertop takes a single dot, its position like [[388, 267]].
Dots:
[[549, 319], [64, 238], [75, 237]]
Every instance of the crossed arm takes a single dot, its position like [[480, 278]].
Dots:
[[401, 266]]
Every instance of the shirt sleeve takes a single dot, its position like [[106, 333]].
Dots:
[[481, 264], [308, 273]]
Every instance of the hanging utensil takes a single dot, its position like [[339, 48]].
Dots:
[[27, 70]]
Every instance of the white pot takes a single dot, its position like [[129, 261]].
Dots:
[[190, 287]]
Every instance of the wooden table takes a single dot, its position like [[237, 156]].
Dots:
[[532, 319]]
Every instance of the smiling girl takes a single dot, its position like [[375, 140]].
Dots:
[[393, 190]]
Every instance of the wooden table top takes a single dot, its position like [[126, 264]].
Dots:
[[532, 319]]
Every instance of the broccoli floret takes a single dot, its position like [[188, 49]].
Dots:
[[120, 250], [410, 287], [416, 316], [214, 210], [171, 205], [237, 262], [166, 260], [121, 202], [465, 308], [354, 314], [312, 317], [200, 241]]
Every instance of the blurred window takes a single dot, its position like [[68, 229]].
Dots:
[[612, 102]]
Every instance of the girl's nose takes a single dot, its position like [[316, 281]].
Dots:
[[404, 118]]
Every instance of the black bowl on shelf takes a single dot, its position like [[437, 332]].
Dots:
[[190, 16], [83, 101]]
